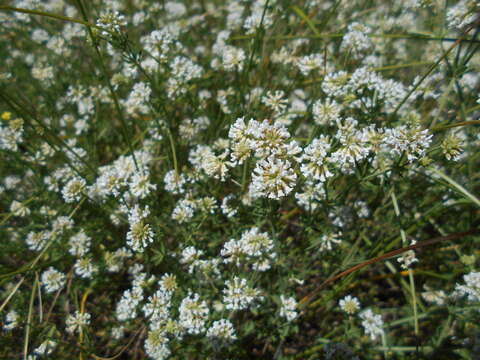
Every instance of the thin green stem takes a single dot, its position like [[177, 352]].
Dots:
[[47, 14], [109, 85]]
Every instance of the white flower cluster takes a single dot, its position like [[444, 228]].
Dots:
[[222, 330], [131, 298], [275, 101], [61, 224], [215, 166], [161, 324], [140, 234], [273, 175], [327, 241], [79, 244], [253, 247], [326, 112], [11, 320], [309, 63], [191, 257], [184, 210], [273, 178], [260, 16], [156, 345], [37, 240], [355, 89], [158, 306], [372, 324], [140, 185], [471, 288], [19, 209], [77, 322], [159, 44], [129, 170], [85, 268], [189, 129], [137, 101], [288, 308], [314, 166], [111, 22], [226, 208], [437, 297], [45, 348], [309, 196], [174, 183], [52, 280], [11, 134], [183, 70], [413, 141], [193, 314], [73, 190], [233, 58], [238, 295], [349, 304], [356, 40], [408, 257], [84, 101], [462, 14]]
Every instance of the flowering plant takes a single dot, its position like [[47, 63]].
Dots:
[[239, 179]]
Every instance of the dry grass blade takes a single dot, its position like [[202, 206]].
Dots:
[[307, 299], [29, 319]]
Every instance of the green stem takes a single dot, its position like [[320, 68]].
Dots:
[[47, 14], [109, 85]]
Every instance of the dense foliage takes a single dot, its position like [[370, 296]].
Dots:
[[239, 179]]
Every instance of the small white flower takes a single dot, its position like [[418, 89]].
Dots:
[[314, 163], [238, 295], [11, 320], [356, 39], [84, 268], [19, 209], [79, 244], [222, 329], [233, 58], [140, 234], [45, 348], [349, 304], [471, 289], [174, 182], [77, 322], [111, 22], [52, 280], [408, 257], [273, 178], [288, 309], [372, 324], [158, 306], [61, 224], [140, 185], [275, 101], [156, 345], [227, 210], [326, 112], [193, 314], [327, 241], [309, 63], [73, 190], [184, 211]]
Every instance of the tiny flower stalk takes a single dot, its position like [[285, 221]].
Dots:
[[201, 173]]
